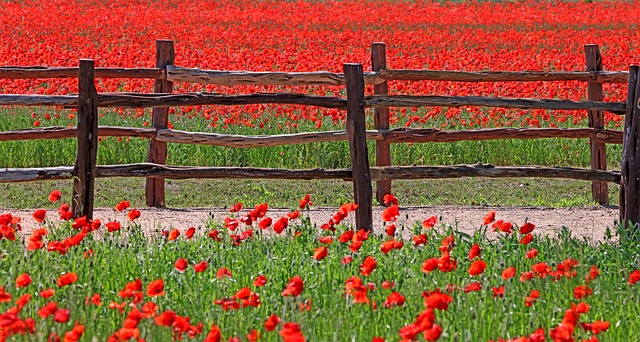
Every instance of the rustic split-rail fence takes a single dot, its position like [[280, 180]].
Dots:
[[354, 79]]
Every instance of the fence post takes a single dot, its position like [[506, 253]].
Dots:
[[361, 173], [157, 153], [630, 183], [599, 190], [381, 119], [84, 170]]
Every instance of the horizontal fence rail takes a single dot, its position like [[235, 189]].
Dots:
[[57, 132], [503, 76], [9, 72]]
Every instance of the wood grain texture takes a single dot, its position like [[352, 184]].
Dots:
[[630, 166], [58, 132], [503, 76], [31, 72], [381, 119], [598, 155]]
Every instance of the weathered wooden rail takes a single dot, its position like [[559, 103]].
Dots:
[[354, 79]]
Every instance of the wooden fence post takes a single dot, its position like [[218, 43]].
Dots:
[[84, 170], [157, 153], [381, 119], [599, 190], [356, 131], [630, 183]]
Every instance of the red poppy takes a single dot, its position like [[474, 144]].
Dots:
[[595, 327], [433, 333], [294, 287], [387, 246], [346, 260], [581, 292], [54, 196], [96, 299], [293, 215], [65, 212], [133, 214], [200, 267], [231, 223], [4, 296], [437, 300], [473, 287], [75, 239], [281, 224], [502, 226], [386, 285], [368, 265], [122, 205], [175, 233], [389, 199], [531, 298], [477, 267], [291, 332], [39, 215], [74, 334], [447, 244], [541, 270], [634, 277], [155, 288], [509, 273], [265, 223], [474, 252], [527, 239], [236, 207], [420, 239], [61, 315], [48, 310], [527, 228], [223, 272], [532, 253], [215, 235], [429, 265], [23, 280], [593, 273], [259, 211], [394, 299], [189, 233], [326, 239], [113, 226], [260, 280], [391, 214], [430, 222], [390, 229], [47, 293], [320, 253], [181, 264], [67, 279], [498, 291], [489, 217], [377, 339], [524, 276], [165, 319], [355, 246], [214, 334]]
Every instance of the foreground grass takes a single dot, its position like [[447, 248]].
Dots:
[[123, 256], [332, 193]]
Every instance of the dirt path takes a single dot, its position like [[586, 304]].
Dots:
[[588, 222]]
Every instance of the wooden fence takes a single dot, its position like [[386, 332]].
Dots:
[[361, 173]]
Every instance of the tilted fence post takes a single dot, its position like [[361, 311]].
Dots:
[[629, 183], [84, 170], [381, 119], [599, 190], [361, 173], [157, 153]]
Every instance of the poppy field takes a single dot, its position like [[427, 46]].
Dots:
[[253, 276]]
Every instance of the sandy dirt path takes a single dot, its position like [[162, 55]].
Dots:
[[587, 222]]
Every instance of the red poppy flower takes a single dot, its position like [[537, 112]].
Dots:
[[346, 260], [541, 270], [320, 253], [265, 223], [389, 199], [498, 291], [61, 315], [473, 287], [181, 264], [260, 280], [391, 214], [54, 196], [634, 277], [223, 272], [368, 265], [189, 233], [236, 207], [474, 252], [595, 327], [489, 217], [133, 214], [113, 226], [502, 226], [433, 333], [477, 267], [231, 223], [430, 222], [581, 292], [259, 211], [165, 319], [74, 334], [67, 279], [524, 276], [429, 265], [390, 229], [122, 205], [47, 293], [96, 299], [326, 239], [293, 215], [527, 239], [531, 298], [155, 288], [387, 285], [215, 235], [291, 332], [437, 300], [23, 280], [214, 334], [39, 215], [355, 246], [593, 273], [532, 253], [394, 299], [175, 233], [200, 267], [420, 239], [281, 224], [48, 310], [294, 287], [4, 296], [527, 228], [509, 273]]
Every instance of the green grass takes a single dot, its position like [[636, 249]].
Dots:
[[536, 192], [126, 255]]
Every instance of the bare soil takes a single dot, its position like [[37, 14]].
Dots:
[[584, 222]]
